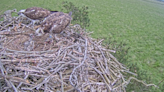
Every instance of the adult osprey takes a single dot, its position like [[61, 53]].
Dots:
[[35, 14], [55, 22]]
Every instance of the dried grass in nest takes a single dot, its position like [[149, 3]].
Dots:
[[65, 63]]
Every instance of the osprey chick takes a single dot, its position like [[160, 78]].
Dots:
[[55, 22], [35, 14]]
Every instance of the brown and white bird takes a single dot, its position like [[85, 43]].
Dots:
[[35, 14], [55, 23]]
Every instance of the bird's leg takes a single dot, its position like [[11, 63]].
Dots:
[[33, 22], [39, 32], [21, 17], [51, 32]]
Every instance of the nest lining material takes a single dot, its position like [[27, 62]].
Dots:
[[64, 63]]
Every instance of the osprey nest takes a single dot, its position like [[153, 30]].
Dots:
[[71, 62]]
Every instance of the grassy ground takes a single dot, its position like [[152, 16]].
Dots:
[[139, 23]]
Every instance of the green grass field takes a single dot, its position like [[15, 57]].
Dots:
[[139, 23]]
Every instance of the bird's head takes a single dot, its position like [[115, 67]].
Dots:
[[14, 10], [21, 11]]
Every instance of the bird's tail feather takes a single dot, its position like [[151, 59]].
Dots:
[[70, 13]]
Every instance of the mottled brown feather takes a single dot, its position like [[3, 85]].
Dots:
[[36, 13], [56, 22]]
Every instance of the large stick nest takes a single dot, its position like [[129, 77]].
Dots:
[[69, 62]]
